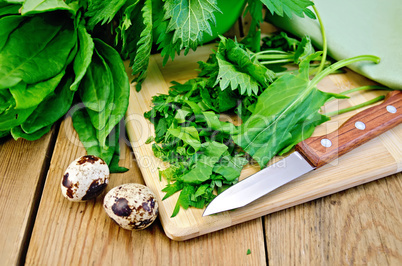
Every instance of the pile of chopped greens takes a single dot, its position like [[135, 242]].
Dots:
[[277, 108]]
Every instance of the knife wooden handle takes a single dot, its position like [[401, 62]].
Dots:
[[357, 130]]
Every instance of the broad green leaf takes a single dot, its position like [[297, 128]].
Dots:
[[190, 20], [290, 7], [96, 84], [4, 133], [6, 100], [114, 163], [214, 123], [31, 7], [211, 154], [7, 25], [88, 135], [86, 132], [188, 135], [25, 56], [51, 109], [12, 117], [83, 58], [30, 95], [284, 108], [9, 8], [102, 12], [121, 87], [230, 166], [17, 132], [99, 119]]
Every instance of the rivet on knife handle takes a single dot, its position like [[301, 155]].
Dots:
[[354, 132]]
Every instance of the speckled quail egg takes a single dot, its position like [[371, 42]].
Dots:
[[132, 206], [85, 178]]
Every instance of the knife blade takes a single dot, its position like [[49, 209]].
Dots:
[[312, 153]]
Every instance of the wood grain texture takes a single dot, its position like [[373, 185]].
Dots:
[[70, 233], [373, 160], [376, 120], [360, 226], [22, 170]]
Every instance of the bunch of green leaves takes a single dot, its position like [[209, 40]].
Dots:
[[176, 25], [200, 148], [51, 63]]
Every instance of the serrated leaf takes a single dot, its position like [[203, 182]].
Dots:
[[238, 68], [136, 35], [190, 20], [289, 7], [144, 45], [162, 37], [100, 11]]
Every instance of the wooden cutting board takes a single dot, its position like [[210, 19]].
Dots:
[[378, 158]]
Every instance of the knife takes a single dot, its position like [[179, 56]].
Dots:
[[313, 153]]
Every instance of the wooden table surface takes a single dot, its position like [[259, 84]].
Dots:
[[361, 225]]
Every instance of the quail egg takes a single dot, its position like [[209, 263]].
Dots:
[[85, 178], [132, 206]]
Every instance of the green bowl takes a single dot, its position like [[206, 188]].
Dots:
[[231, 10]]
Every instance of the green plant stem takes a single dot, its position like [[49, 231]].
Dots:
[[280, 61], [369, 87], [339, 65], [324, 41], [275, 56], [345, 110], [270, 51]]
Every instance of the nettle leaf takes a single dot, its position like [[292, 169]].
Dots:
[[190, 20], [144, 45], [285, 114], [163, 37], [290, 7], [238, 68], [100, 11], [136, 34]]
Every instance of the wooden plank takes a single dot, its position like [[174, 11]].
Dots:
[[22, 170], [67, 233], [360, 226], [380, 155]]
